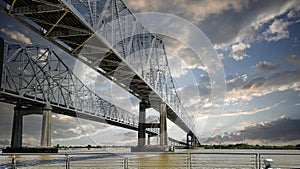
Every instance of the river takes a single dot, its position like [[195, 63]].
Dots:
[[123, 158]]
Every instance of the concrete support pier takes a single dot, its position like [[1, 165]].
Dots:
[[142, 127], [149, 137], [17, 130], [163, 145], [163, 125], [191, 140], [46, 126]]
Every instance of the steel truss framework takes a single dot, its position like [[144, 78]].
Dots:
[[34, 76], [105, 35]]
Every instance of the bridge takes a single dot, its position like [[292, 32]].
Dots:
[[98, 34]]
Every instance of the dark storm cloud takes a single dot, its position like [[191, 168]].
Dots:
[[281, 130]]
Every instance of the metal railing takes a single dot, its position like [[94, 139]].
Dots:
[[234, 160]]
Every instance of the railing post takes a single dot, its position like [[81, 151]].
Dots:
[[259, 161], [13, 162], [126, 162], [256, 161], [68, 161], [189, 161]]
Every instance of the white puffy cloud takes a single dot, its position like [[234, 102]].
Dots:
[[15, 35], [262, 24], [277, 30], [240, 46], [238, 50]]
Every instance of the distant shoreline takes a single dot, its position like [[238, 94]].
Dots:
[[209, 147]]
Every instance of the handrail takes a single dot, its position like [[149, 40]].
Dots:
[[160, 160]]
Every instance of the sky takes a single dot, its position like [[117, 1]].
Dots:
[[257, 43]]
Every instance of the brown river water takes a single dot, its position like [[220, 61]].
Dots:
[[123, 158]]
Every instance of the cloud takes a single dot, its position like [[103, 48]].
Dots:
[[15, 35], [200, 10], [190, 58], [255, 110], [277, 30], [193, 10], [4, 142], [265, 66], [244, 88], [70, 128], [294, 59], [282, 130], [259, 22], [232, 26], [238, 50], [127, 136], [181, 59]]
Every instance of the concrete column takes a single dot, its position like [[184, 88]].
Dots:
[[46, 127], [187, 140], [142, 127], [149, 137], [193, 141], [163, 125], [17, 131]]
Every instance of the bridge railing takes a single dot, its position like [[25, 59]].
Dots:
[[145, 52], [205, 159]]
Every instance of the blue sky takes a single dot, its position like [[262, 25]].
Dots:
[[258, 43]]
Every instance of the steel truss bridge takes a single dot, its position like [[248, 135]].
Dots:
[[106, 36]]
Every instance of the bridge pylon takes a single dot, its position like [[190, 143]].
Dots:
[[142, 124], [46, 126], [192, 141], [17, 129], [162, 125]]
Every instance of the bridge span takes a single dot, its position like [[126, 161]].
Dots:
[[37, 81], [98, 33]]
